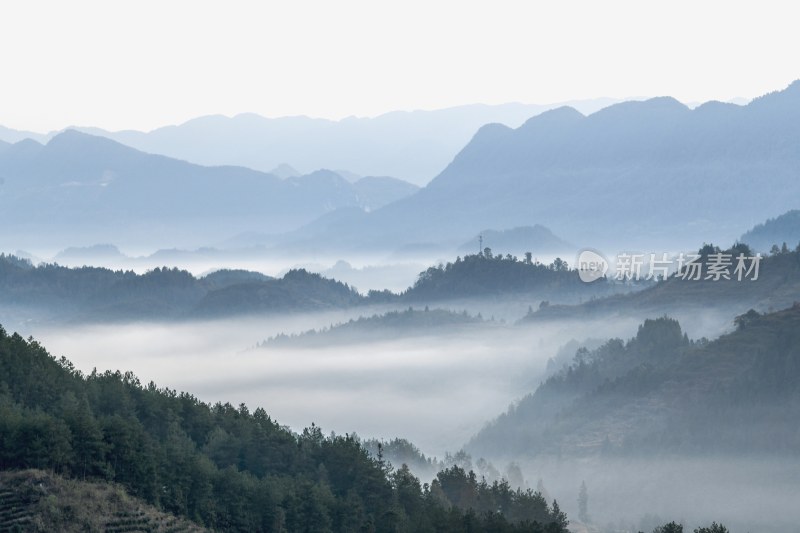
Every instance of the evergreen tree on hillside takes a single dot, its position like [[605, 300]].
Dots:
[[226, 467], [713, 528], [671, 527]]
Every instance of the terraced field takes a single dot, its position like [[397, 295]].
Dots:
[[38, 501]]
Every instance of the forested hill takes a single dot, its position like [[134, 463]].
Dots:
[[227, 467], [495, 275], [777, 287], [55, 292], [387, 326], [91, 293], [660, 392], [781, 231]]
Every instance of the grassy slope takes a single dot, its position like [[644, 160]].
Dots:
[[39, 501]]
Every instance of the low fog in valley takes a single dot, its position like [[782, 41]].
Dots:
[[399, 268], [434, 391], [437, 391]]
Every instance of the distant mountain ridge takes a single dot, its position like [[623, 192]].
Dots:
[[413, 146], [639, 174], [650, 173], [49, 292], [536, 239], [52, 292], [104, 191]]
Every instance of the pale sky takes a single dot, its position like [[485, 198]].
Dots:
[[144, 64]]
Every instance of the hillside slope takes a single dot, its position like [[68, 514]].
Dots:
[[775, 232], [222, 466], [52, 292], [777, 287], [660, 392], [42, 502]]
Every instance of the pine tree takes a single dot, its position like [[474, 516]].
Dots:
[[559, 516], [672, 527], [713, 528]]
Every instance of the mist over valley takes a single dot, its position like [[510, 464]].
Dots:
[[578, 316]]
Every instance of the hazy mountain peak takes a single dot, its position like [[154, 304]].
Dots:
[[89, 253], [71, 138], [12, 136], [662, 102], [27, 143], [786, 100], [254, 117], [88, 150], [383, 179], [559, 116], [284, 170], [322, 175], [536, 238], [491, 132], [69, 133], [715, 106], [650, 109], [352, 177], [791, 89], [377, 191], [24, 147], [505, 178]]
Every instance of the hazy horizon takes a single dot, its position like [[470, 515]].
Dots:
[[232, 58], [592, 103], [524, 245]]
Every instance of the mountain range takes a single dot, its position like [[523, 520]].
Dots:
[[638, 174], [635, 175], [414, 146], [52, 292], [80, 187]]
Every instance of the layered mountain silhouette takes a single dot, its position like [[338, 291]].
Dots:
[[78, 183], [414, 146], [651, 173]]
